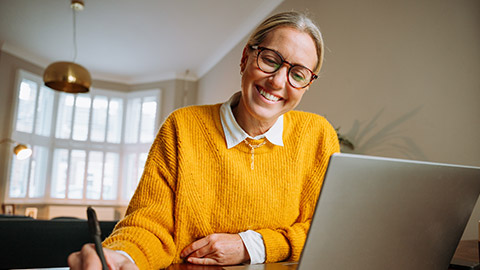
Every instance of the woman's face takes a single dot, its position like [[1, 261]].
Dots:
[[267, 96]]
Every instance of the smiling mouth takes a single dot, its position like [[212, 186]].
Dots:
[[268, 96]]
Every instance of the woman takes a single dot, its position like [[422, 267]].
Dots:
[[235, 182]]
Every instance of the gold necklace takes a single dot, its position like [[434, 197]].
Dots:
[[253, 147]]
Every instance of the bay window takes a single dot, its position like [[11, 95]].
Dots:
[[87, 148]]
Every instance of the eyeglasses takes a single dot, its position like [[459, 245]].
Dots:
[[270, 61]]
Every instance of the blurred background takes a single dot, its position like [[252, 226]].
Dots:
[[400, 79]]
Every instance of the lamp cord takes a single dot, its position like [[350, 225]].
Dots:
[[74, 35]]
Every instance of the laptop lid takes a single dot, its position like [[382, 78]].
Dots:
[[382, 213]]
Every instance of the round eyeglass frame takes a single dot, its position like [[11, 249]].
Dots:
[[260, 49]]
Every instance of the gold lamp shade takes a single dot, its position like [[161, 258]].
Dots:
[[22, 151], [67, 77]]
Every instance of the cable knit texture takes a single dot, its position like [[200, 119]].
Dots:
[[193, 186]]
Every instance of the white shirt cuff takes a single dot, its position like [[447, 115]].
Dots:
[[255, 247], [126, 255]]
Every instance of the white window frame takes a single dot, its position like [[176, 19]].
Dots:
[[52, 143], [138, 147]]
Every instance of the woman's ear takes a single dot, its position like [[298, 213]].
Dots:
[[243, 61]]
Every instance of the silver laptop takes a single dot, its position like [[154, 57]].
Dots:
[[381, 213]]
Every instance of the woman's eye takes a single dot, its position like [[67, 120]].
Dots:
[[298, 76], [272, 62]]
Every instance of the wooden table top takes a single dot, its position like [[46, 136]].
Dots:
[[467, 250]]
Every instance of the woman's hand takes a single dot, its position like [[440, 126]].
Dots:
[[87, 259], [217, 249]]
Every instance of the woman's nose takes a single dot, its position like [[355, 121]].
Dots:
[[279, 78]]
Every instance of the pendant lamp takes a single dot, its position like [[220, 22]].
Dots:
[[68, 76]]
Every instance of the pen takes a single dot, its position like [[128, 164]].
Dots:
[[96, 233]]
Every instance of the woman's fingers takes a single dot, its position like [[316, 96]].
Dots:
[[74, 261], [202, 261], [87, 259], [193, 247], [217, 249]]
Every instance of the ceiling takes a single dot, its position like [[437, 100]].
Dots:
[[130, 41]]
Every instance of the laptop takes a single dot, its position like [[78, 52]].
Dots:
[[383, 213]]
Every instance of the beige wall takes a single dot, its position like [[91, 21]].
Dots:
[[401, 77], [223, 80]]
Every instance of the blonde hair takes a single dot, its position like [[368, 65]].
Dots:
[[293, 19]]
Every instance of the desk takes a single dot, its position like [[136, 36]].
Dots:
[[466, 250]]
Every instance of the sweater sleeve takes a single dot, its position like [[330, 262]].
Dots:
[[146, 232], [287, 243]]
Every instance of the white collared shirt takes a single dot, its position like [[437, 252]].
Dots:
[[234, 135]]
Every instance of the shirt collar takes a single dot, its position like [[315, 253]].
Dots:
[[234, 134]]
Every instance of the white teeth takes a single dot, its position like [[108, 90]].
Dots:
[[268, 96]]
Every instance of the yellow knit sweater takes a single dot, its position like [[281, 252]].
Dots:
[[193, 186]]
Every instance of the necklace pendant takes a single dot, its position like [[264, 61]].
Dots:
[[252, 151]]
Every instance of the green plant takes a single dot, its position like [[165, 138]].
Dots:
[[343, 140]]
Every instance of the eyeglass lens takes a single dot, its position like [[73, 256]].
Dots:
[[269, 61]]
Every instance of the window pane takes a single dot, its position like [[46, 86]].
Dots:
[[59, 173], [26, 106], [131, 177], [38, 172], [77, 174], [110, 177], [18, 178], [142, 158], [64, 118], [94, 175], [115, 116], [149, 112], [82, 114], [44, 111], [99, 119], [133, 120], [135, 167]]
